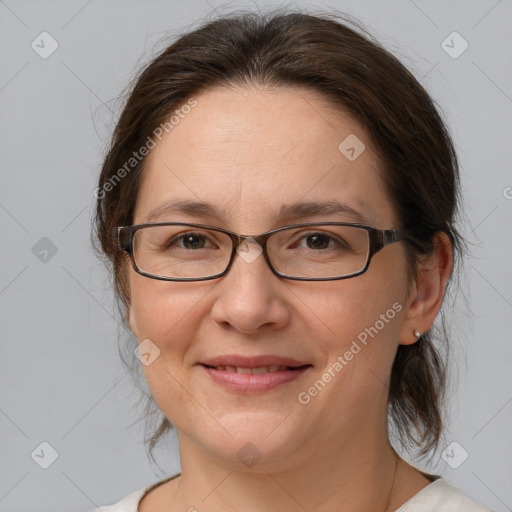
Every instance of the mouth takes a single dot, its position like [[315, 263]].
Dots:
[[253, 379], [257, 370]]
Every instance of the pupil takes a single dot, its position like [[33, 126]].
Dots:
[[319, 239], [188, 240]]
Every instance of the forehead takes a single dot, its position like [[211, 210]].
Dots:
[[250, 151]]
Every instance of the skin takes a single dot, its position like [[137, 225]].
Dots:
[[250, 150]]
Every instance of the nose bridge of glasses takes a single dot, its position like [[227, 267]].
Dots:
[[239, 240], [249, 247]]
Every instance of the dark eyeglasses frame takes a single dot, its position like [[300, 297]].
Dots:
[[379, 238]]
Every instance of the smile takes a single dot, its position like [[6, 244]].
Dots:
[[246, 370], [248, 380]]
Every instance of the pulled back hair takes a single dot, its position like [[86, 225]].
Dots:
[[352, 70]]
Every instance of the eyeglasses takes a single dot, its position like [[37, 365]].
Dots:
[[324, 251]]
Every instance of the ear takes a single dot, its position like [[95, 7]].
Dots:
[[427, 292]]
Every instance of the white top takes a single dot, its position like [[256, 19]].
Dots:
[[439, 496]]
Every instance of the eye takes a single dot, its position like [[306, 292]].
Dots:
[[190, 240], [318, 240], [321, 240]]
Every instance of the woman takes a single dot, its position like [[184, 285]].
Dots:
[[278, 206]]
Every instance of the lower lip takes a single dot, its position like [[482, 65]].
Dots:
[[253, 382]]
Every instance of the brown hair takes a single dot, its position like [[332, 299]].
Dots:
[[351, 69]]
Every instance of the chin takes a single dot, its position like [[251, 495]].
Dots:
[[254, 441]]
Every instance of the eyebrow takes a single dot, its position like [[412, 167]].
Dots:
[[297, 210]]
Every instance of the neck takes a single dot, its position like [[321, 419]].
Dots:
[[357, 475]]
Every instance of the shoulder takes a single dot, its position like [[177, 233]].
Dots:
[[130, 503], [127, 504], [440, 496]]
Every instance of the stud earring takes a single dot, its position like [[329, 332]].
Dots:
[[417, 334]]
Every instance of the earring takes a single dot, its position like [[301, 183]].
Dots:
[[417, 334]]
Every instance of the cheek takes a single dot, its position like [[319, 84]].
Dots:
[[361, 326], [360, 322], [161, 311], [349, 307]]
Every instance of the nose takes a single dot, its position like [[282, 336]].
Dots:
[[250, 295]]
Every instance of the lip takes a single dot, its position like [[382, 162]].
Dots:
[[255, 382], [253, 362]]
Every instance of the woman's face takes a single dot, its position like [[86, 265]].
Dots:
[[249, 152]]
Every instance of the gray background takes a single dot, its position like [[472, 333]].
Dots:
[[62, 380]]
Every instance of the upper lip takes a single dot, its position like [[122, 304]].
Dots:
[[252, 362]]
